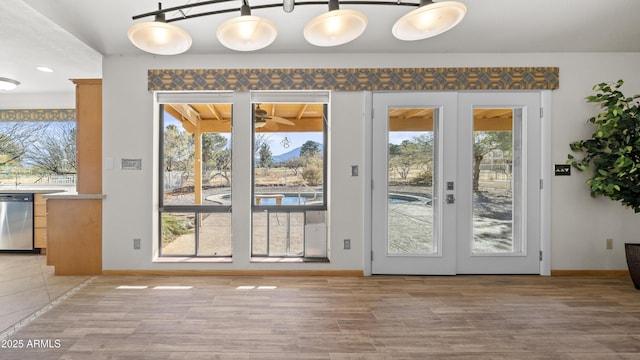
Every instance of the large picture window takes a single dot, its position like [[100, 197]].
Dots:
[[38, 153], [289, 147], [195, 208], [286, 135], [289, 178]]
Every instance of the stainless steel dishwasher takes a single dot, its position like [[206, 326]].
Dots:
[[16, 222]]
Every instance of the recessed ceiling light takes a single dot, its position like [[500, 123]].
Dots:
[[44, 69]]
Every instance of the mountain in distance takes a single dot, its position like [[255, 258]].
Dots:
[[289, 154]]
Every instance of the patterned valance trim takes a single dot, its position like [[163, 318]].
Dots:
[[366, 79], [46, 115]]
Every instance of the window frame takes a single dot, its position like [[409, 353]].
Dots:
[[196, 209], [325, 148], [291, 97]]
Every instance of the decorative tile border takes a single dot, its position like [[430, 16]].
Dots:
[[11, 330], [48, 115], [366, 79]]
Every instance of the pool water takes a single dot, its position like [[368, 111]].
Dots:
[[295, 199], [401, 199], [288, 199], [292, 200]]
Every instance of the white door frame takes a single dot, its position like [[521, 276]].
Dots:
[[545, 173], [524, 257], [442, 261]]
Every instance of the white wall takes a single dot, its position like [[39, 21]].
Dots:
[[579, 226], [60, 100]]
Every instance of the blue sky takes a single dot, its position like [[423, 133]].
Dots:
[[397, 137], [295, 140]]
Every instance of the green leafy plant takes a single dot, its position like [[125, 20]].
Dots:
[[312, 171], [173, 227], [613, 151]]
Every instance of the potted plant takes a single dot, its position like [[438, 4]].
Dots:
[[613, 153]]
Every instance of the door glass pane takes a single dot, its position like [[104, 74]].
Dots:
[[494, 174], [411, 157]]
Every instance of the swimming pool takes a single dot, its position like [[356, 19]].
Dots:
[[285, 198], [308, 198], [401, 199]]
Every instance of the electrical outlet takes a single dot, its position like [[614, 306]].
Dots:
[[136, 244], [609, 243], [347, 244]]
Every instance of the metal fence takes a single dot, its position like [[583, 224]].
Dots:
[[174, 180], [37, 179]]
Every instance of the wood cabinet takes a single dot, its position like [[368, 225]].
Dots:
[[89, 135], [74, 222], [75, 236], [40, 223]]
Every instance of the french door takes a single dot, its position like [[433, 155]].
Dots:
[[456, 186]]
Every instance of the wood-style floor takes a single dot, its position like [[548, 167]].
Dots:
[[380, 317]]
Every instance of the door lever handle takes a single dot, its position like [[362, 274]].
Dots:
[[450, 199]]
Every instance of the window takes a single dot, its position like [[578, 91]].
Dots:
[[289, 178], [195, 206], [38, 153], [497, 180], [288, 133]]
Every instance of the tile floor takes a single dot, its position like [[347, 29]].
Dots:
[[27, 284]]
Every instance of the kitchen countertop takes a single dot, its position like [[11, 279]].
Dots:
[[68, 196], [54, 194], [30, 191]]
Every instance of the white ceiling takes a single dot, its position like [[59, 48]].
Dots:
[[71, 36]]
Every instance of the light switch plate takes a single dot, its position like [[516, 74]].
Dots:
[[108, 163]]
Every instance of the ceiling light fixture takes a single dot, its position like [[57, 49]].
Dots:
[[249, 33], [44, 69], [429, 20], [7, 84], [335, 27], [288, 5], [158, 37]]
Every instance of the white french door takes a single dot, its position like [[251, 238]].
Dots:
[[414, 137], [456, 186]]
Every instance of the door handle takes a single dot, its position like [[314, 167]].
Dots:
[[451, 199]]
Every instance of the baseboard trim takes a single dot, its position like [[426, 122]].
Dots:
[[344, 273], [589, 272]]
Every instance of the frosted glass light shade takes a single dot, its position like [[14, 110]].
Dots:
[[429, 20], [159, 38], [335, 27], [7, 84], [247, 33]]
